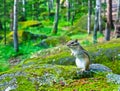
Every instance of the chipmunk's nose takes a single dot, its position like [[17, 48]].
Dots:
[[68, 44]]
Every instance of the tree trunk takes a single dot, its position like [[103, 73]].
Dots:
[[107, 32], [1, 28], [72, 13], [109, 13], [89, 16], [83, 3], [5, 21], [50, 6], [68, 10], [100, 18], [94, 3], [96, 25], [15, 26], [109, 20], [32, 9], [36, 8], [55, 26], [11, 20], [24, 10], [118, 11], [104, 8]]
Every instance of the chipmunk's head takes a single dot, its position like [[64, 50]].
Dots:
[[73, 44]]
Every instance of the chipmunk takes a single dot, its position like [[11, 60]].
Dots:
[[82, 57]]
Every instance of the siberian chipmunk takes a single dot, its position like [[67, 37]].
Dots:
[[82, 57]]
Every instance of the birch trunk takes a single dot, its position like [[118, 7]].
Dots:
[[118, 11], [15, 26], [89, 16], [23, 9], [96, 25], [100, 18]]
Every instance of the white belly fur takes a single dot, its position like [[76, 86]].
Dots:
[[80, 63]]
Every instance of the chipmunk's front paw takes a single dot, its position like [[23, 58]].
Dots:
[[83, 70]]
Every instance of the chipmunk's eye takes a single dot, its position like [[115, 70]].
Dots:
[[72, 42]]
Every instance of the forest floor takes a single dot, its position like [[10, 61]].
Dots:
[[53, 69], [44, 63]]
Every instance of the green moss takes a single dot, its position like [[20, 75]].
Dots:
[[100, 53], [86, 84], [4, 66], [52, 59], [47, 22], [114, 66], [81, 26], [79, 36], [22, 36], [29, 23], [54, 64], [10, 37], [54, 41], [24, 84]]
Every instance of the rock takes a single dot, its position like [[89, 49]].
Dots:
[[64, 61], [54, 41], [14, 61], [31, 36], [9, 88], [9, 81], [99, 68], [23, 36], [94, 68], [31, 23], [114, 78], [43, 44], [81, 25]]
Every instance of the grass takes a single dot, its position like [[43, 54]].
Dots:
[[79, 36], [27, 47], [7, 52], [46, 30]]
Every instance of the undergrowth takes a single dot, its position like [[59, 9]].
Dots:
[[7, 52]]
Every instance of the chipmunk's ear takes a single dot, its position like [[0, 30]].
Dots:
[[76, 40]]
